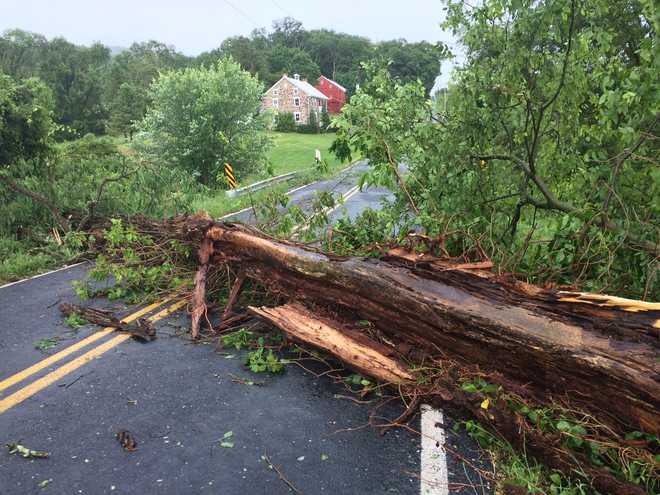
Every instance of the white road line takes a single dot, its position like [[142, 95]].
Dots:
[[340, 202], [433, 479], [290, 192], [42, 274]]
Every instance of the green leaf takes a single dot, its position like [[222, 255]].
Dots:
[[563, 425], [469, 387]]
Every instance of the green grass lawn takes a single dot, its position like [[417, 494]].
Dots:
[[291, 152]]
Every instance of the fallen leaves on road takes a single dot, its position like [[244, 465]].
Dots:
[[225, 440], [127, 441], [23, 451]]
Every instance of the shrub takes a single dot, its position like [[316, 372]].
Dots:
[[312, 126], [202, 117], [326, 123], [285, 122]]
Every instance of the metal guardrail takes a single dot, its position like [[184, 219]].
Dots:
[[279, 178], [261, 184]]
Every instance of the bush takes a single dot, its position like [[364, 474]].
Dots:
[[312, 126], [326, 123], [201, 118], [285, 122]]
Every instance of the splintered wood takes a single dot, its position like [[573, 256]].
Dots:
[[358, 351]]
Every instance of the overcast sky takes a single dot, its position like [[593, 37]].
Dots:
[[194, 26]]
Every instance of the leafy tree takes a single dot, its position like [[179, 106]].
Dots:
[[129, 77], [26, 123], [244, 51], [203, 117], [339, 55], [291, 61], [21, 52], [289, 32], [412, 61], [73, 73], [76, 75], [547, 148]]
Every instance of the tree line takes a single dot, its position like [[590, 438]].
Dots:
[[97, 92]]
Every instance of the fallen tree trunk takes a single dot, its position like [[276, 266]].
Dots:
[[434, 326], [563, 344]]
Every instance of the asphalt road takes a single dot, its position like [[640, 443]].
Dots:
[[179, 399]]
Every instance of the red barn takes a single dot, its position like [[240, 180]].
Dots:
[[335, 92]]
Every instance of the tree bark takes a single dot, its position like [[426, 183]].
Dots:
[[361, 353], [141, 329], [600, 352], [198, 300]]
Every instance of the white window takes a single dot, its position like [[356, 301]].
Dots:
[[296, 102], [276, 102], [296, 115]]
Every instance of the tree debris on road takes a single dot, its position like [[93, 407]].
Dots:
[[140, 329], [23, 451], [565, 376], [126, 440]]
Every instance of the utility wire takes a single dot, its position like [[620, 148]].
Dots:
[[281, 8], [243, 14]]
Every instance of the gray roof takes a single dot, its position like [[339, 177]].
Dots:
[[304, 86]]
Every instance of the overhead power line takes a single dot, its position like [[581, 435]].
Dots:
[[243, 14], [282, 8]]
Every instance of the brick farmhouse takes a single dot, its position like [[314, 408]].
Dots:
[[297, 96], [335, 92]]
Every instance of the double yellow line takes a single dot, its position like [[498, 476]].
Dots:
[[40, 384]]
